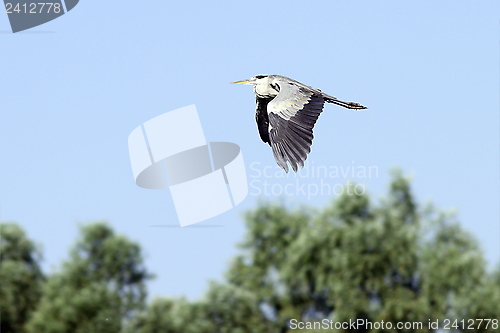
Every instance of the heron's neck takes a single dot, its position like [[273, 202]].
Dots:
[[264, 90]]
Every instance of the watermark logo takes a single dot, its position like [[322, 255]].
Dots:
[[205, 180], [311, 181], [27, 14]]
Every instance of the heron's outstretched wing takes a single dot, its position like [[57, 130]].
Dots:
[[292, 115]]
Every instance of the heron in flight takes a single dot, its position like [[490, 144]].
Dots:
[[286, 113]]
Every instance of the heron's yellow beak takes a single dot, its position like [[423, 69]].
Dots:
[[242, 82]]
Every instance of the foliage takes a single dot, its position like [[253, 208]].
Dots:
[[394, 261], [20, 276], [98, 289], [225, 309], [355, 261]]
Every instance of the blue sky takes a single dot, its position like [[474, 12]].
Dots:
[[73, 89]]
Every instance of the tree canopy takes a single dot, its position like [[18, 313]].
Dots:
[[395, 262], [392, 261], [97, 290], [20, 276]]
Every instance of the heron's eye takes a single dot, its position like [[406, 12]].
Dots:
[[260, 76]]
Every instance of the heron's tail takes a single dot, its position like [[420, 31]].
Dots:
[[348, 105]]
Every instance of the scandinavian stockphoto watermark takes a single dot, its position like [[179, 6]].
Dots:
[[205, 179], [27, 14], [310, 181]]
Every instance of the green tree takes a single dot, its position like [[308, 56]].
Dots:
[[99, 288], [20, 278], [395, 262], [392, 262], [165, 315], [480, 302], [224, 309]]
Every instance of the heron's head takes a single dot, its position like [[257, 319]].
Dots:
[[257, 79]]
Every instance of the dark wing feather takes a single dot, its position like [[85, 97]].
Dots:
[[262, 118], [292, 116]]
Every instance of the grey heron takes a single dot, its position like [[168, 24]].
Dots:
[[286, 113]]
